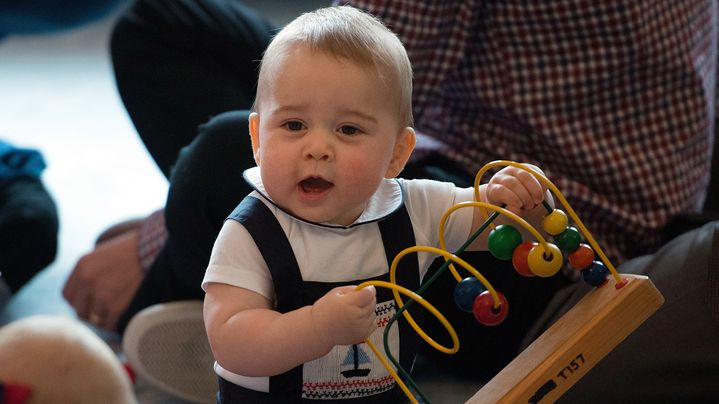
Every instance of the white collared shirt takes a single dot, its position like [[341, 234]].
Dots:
[[335, 253], [328, 252]]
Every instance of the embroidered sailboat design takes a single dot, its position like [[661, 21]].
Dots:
[[355, 357]]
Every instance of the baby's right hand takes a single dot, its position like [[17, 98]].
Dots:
[[345, 316], [516, 188]]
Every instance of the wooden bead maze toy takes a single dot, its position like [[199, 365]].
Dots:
[[566, 351]]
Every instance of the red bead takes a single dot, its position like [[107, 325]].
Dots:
[[484, 311], [582, 257], [520, 258]]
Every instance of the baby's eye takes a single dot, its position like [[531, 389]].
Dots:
[[294, 125], [349, 130]]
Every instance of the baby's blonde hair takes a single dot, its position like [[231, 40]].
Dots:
[[351, 34]]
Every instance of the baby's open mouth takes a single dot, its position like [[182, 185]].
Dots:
[[315, 185]]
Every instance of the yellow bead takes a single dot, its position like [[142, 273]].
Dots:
[[555, 222], [545, 262]]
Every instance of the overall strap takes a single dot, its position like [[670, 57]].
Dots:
[[398, 234], [276, 250]]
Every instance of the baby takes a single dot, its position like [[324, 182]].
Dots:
[[331, 131]]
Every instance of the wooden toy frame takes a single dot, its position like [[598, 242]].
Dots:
[[566, 351]]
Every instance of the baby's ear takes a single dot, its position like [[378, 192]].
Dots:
[[254, 126], [402, 150]]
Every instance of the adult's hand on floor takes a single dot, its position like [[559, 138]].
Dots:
[[104, 280]]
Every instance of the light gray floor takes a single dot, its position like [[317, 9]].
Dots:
[[57, 93]]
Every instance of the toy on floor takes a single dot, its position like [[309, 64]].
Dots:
[[575, 343], [55, 359]]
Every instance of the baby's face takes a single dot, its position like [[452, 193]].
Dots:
[[324, 135]]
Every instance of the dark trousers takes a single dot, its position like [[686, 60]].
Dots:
[[178, 64], [28, 230]]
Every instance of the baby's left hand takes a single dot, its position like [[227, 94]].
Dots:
[[516, 188]]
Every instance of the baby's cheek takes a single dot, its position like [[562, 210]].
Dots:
[[362, 177]]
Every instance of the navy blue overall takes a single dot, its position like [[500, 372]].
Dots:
[[293, 292]]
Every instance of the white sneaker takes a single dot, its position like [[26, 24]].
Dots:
[[166, 345]]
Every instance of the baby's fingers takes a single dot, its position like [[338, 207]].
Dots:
[[516, 188], [533, 187], [365, 296], [509, 191]]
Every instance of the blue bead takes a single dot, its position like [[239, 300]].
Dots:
[[595, 274], [466, 291]]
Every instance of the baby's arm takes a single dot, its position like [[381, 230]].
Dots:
[[521, 193], [247, 337]]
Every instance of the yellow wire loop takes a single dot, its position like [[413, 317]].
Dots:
[[397, 289], [555, 191], [392, 372]]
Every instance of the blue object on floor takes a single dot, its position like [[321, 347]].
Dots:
[[28, 16]]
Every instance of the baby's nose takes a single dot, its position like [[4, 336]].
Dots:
[[319, 146]]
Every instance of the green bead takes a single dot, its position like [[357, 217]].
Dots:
[[502, 241], [568, 240]]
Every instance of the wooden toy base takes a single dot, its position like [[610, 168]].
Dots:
[[564, 353]]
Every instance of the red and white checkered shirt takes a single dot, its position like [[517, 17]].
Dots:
[[151, 238], [614, 100]]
